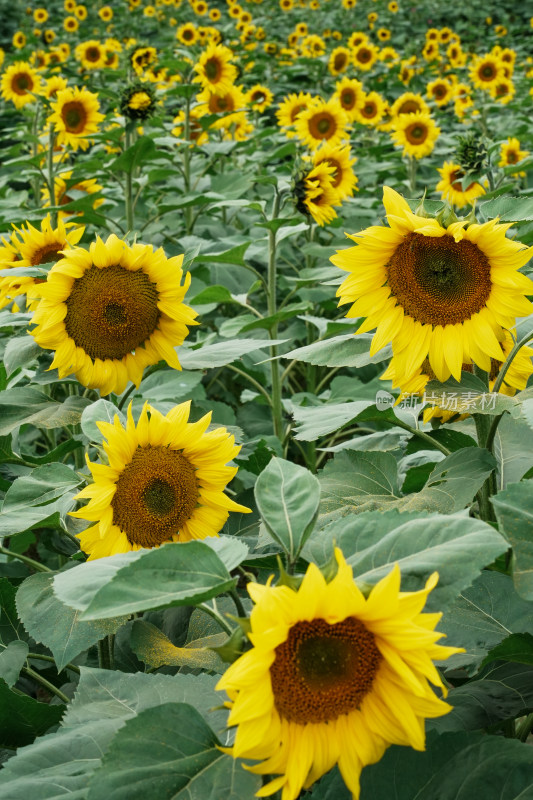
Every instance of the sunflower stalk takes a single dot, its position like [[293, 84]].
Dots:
[[128, 195], [412, 175], [272, 308], [45, 684], [187, 163], [30, 562], [50, 178]]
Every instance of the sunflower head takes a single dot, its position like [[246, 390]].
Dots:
[[138, 101], [331, 676]]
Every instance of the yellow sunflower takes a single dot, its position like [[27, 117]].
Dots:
[[440, 90], [164, 482], [511, 153], [333, 677], [451, 188], [408, 103], [228, 104], [351, 95], [197, 135], [35, 247], [259, 97], [313, 46], [316, 195], [62, 187], [91, 54], [371, 110], [75, 117], [143, 57], [503, 90], [339, 60], [81, 12], [324, 120], [416, 133], [365, 56], [486, 71], [187, 33], [71, 25], [289, 109], [343, 180], [442, 293], [20, 83], [105, 13], [19, 40], [356, 38], [111, 310], [215, 70]]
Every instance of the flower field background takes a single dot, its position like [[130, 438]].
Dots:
[[266, 406]]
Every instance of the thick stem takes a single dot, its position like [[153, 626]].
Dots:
[[25, 560], [104, 660], [46, 684], [277, 415], [41, 657]]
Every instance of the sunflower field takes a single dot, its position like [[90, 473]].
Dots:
[[266, 400]]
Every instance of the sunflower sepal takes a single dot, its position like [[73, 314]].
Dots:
[[233, 647], [285, 579], [447, 216]]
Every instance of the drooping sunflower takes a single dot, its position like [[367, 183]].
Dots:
[[111, 310], [215, 70], [339, 60], [34, 247], [91, 54], [164, 482], [20, 83], [371, 110], [343, 179], [324, 120], [486, 71], [433, 292], [451, 188], [416, 133], [408, 103], [350, 94], [333, 677], [511, 152], [315, 194], [75, 116]]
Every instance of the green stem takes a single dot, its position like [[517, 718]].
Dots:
[[524, 727], [104, 660], [509, 360], [216, 616], [26, 560], [255, 384], [128, 194], [421, 435], [187, 162], [46, 684], [277, 411], [241, 611], [41, 657], [412, 175], [50, 179]]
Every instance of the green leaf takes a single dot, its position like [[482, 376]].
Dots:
[[235, 255], [469, 396], [20, 351], [509, 209], [99, 411], [455, 546], [181, 573], [183, 761], [482, 616], [11, 627], [156, 649], [289, 311], [22, 718], [316, 421], [517, 647], [28, 405], [139, 153], [12, 659], [222, 353], [340, 351], [54, 624], [454, 766], [61, 763], [451, 439], [514, 512], [287, 498], [169, 385]]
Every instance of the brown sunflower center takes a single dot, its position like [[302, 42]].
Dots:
[[22, 83], [156, 494], [416, 133], [48, 253], [363, 55], [296, 110], [322, 671], [439, 91], [369, 110], [92, 54], [74, 116], [348, 98], [213, 69], [339, 62], [322, 126], [111, 311], [409, 107], [487, 72], [437, 280], [512, 157]]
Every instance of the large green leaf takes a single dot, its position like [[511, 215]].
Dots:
[[222, 353], [513, 449], [174, 574], [100, 411], [288, 497], [183, 761], [482, 616], [156, 650], [340, 351], [514, 511], [12, 659], [455, 546], [55, 624], [11, 627], [22, 718], [60, 764], [455, 766], [316, 421], [29, 405], [20, 351]]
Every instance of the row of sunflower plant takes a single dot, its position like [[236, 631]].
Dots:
[[252, 473]]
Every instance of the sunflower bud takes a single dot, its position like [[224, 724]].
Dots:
[[472, 152], [138, 101]]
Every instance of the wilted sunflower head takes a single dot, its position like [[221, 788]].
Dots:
[[138, 101]]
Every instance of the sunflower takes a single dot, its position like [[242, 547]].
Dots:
[[322, 121], [39, 59], [416, 133], [49, 35], [187, 33], [440, 90], [393, 7], [383, 34], [430, 51], [138, 101], [10, 288], [19, 40], [365, 56], [228, 103], [105, 13], [91, 54], [75, 116], [111, 310], [20, 83], [503, 90], [197, 135], [350, 94], [455, 55], [339, 60], [486, 71], [451, 188], [313, 46], [442, 292], [343, 180], [81, 12], [356, 38], [286, 5], [408, 103], [143, 57], [164, 482], [510, 153], [333, 677], [259, 97], [315, 195], [35, 247], [289, 109], [215, 70], [40, 15], [371, 110], [62, 187], [71, 24], [389, 56]]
